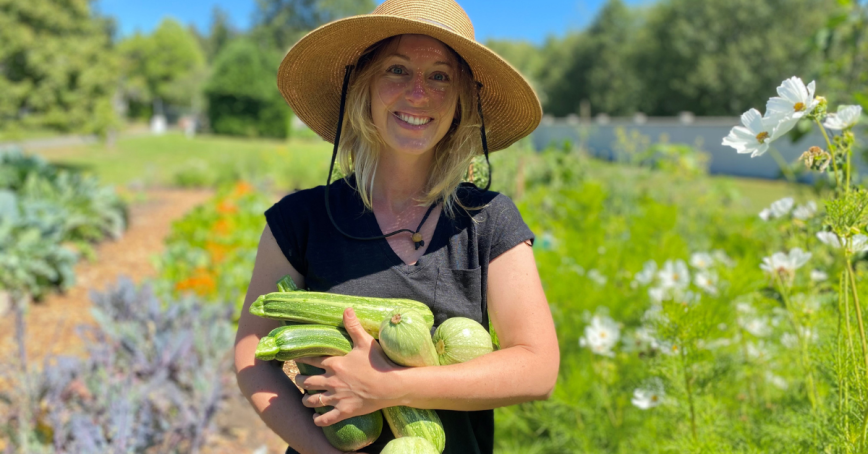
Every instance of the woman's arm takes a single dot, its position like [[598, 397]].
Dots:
[[263, 383], [525, 368]]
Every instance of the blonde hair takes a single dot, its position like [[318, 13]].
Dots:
[[361, 142]]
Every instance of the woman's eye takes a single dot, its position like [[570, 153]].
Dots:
[[396, 70], [440, 77]]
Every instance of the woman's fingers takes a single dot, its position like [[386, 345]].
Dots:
[[311, 382], [354, 328], [315, 400], [328, 418], [315, 361]]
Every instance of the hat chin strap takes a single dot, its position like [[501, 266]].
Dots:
[[417, 237]]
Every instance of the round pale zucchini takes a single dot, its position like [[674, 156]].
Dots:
[[406, 339], [409, 445], [416, 422], [460, 339]]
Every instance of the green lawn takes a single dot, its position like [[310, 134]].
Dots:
[[174, 160]]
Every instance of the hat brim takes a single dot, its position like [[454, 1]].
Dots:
[[311, 75]]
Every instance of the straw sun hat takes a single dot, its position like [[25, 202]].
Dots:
[[312, 73]]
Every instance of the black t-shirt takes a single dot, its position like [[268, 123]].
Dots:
[[451, 276]]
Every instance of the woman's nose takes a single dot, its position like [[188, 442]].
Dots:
[[417, 90]]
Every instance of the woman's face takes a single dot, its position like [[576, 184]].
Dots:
[[414, 94]]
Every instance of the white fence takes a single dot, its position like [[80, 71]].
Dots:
[[598, 137]]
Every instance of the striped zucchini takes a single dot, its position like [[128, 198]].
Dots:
[[298, 341], [406, 339], [409, 445], [353, 433], [286, 284], [416, 422], [328, 308]]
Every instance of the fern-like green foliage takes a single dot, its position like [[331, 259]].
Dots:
[[849, 213]]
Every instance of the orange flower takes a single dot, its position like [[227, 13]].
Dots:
[[222, 227], [217, 251], [201, 283], [242, 188], [226, 207]]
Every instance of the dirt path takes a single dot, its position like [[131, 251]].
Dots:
[[59, 314], [50, 324]]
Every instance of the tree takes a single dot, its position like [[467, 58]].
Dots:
[[57, 66], [843, 41], [280, 23], [220, 33], [721, 57], [168, 65], [595, 65], [242, 93], [524, 56]]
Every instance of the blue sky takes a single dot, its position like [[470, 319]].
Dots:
[[514, 19]]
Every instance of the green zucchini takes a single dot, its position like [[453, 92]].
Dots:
[[460, 339], [406, 339], [328, 308], [286, 284], [307, 369], [416, 422], [409, 445], [353, 433], [298, 341]]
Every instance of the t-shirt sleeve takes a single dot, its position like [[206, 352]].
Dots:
[[287, 220], [509, 227]]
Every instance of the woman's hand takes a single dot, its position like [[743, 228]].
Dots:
[[359, 383]]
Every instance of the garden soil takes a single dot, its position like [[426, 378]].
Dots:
[[50, 324]]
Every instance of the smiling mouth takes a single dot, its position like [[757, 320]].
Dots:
[[412, 119]]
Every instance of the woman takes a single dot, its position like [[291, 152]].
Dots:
[[407, 87]]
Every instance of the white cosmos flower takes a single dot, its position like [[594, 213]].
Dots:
[[701, 260], [806, 211], [758, 326], [715, 344], [765, 214], [644, 277], [721, 257], [859, 243], [757, 350], [781, 207], [650, 397], [795, 101], [674, 274], [657, 294], [829, 238], [744, 308], [785, 263], [642, 340], [755, 136], [601, 335], [778, 381], [789, 340], [817, 275], [846, 118], [706, 281], [596, 276]]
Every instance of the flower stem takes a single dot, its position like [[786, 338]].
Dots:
[[858, 308], [831, 152], [803, 356], [689, 393], [785, 168]]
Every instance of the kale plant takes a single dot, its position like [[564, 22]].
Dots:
[[153, 378]]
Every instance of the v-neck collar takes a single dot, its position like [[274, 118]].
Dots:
[[371, 227]]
